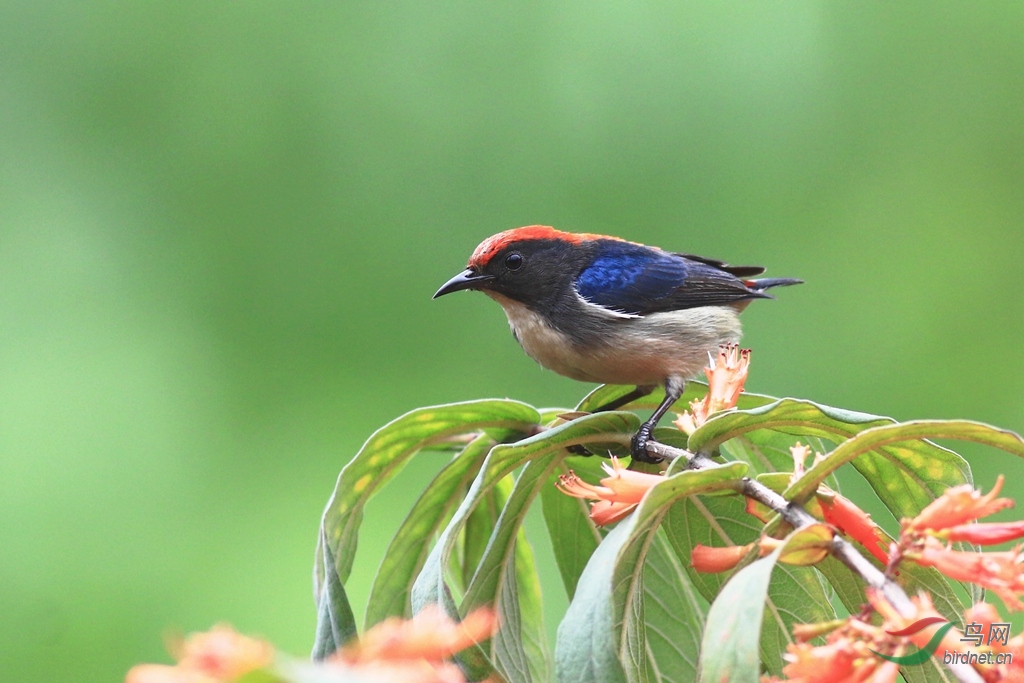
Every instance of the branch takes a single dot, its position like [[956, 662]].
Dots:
[[842, 550]]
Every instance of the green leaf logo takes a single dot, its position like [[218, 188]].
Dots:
[[924, 653]]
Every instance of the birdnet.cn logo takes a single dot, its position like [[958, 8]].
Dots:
[[998, 634]]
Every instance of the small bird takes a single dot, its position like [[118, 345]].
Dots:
[[601, 309]]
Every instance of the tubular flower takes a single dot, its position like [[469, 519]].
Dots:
[[800, 453], [844, 515], [726, 376], [618, 494], [1002, 573], [759, 510], [959, 505], [846, 656], [711, 560], [834, 661], [984, 533], [221, 654]]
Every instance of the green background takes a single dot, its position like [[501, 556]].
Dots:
[[221, 225]]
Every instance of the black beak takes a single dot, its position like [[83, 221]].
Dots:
[[467, 279]]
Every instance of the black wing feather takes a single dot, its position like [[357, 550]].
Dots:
[[738, 271]]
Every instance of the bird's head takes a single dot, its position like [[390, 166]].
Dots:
[[530, 265]]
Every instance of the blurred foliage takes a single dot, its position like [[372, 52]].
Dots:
[[221, 223]]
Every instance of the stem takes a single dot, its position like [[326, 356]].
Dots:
[[841, 549]]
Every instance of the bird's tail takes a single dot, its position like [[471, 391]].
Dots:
[[769, 282]]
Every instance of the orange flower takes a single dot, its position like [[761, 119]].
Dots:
[[1002, 573], [221, 654], [984, 533], [834, 661], [163, 673], [618, 494], [710, 560], [431, 635], [726, 376], [759, 510], [957, 506], [414, 650], [846, 657], [844, 515]]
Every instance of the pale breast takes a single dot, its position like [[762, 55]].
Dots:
[[643, 350], [543, 343]]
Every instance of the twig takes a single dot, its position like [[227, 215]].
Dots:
[[842, 550]]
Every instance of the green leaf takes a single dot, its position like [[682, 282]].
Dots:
[[532, 631], [586, 648], [730, 649], [602, 637], [335, 623], [931, 671], [673, 616], [914, 578], [573, 536], [750, 621], [496, 576], [477, 532], [627, 579], [430, 586], [407, 551], [710, 521], [906, 476], [849, 587], [788, 415], [796, 594], [484, 586], [767, 451], [606, 393], [808, 545], [386, 452], [901, 443], [501, 461]]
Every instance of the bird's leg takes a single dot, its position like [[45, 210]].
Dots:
[[639, 392], [638, 446]]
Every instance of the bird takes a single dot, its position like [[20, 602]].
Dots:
[[598, 308]]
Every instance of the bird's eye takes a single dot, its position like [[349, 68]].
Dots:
[[514, 261]]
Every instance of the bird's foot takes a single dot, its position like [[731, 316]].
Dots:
[[638, 447]]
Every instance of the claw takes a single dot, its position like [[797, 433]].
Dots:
[[638, 447]]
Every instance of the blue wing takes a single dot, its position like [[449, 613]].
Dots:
[[638, 280]]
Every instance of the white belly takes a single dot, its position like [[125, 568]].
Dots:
[[645, 350]]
